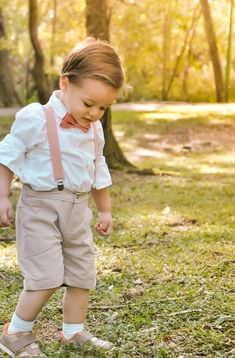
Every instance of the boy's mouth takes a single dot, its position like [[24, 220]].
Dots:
[[87, 122]]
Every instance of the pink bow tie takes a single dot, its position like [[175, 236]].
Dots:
[[69, 122]]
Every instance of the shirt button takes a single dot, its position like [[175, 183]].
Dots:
[[77, 195]]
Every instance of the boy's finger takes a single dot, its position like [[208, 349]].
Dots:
[[107, 231], [100, 231], [10, 214], [4, 220], [104, 227]]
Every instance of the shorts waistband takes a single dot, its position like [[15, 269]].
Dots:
[[66, 194]]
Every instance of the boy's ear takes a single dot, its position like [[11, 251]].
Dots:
[[64, 83]]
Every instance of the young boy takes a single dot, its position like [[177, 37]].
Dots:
[[53, 235]]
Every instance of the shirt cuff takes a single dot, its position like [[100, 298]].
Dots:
[[103, 177], [12, 154]]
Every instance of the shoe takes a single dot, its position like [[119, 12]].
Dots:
[[85, 338], [22, 344]]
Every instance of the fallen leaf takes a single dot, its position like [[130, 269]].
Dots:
[[166, 211]]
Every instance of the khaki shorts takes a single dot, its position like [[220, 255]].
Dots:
[[54, 239]]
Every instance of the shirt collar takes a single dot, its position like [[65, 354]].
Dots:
[[57, 105]]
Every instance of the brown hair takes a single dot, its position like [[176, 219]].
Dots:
[[94, 59]]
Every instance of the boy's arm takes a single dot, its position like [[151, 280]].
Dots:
[[103, 203], [6, 176], [6, 214]]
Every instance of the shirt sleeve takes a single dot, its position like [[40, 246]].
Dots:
[[102, 174], [25, 133]]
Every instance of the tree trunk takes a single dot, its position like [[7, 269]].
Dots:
[[53, 31], [166, 45], [8, 95], [229, 54], [40, 79], [209, 29], [190, 31], [188, 55], [98, 15]]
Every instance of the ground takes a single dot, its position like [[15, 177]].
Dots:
[[166, 274]]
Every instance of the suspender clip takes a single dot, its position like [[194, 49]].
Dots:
[[60, 184]]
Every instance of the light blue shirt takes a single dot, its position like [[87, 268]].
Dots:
[[25, 151]]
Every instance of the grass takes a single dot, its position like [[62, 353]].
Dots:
[[166, 275]]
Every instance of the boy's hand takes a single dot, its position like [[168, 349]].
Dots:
[[104, 227], [6, 212]]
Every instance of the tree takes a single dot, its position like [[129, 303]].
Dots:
[[40, 79], [53, 31], [229, 54], [187, 42], [150, 36], [8, 95], [167, 22], [98, 15], [210, 33]]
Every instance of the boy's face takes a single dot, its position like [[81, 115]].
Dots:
[[87, 101]]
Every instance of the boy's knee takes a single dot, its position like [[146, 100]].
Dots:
[[77, 289], [45, 292], [50, 291]]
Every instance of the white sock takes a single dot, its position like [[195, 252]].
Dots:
[[69, 330], [19, 325]]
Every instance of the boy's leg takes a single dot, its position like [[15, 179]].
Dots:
[[17, 336], [29, 305], [75, 310], [75, 305]]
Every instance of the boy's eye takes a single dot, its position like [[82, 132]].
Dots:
[[90, 105], [87, 104]]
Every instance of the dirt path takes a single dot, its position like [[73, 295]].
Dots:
[[182, 106]]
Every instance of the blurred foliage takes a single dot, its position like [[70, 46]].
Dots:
[[138, 32]]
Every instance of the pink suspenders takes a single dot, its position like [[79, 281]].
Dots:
[[55, 147]]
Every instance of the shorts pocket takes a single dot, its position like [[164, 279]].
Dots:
[[32, 203]]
